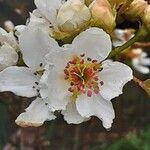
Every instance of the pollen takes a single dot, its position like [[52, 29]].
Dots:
[[82, 75]]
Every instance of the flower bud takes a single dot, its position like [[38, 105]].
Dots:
[[73, 15], [137, 8], [146, 16], [9, 26], [103, 16]]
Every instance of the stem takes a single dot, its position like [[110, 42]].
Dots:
[[140, 82], [140, 34], [140, 45]]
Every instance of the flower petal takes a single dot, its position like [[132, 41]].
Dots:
[[71, 114], [35, 114], [8, 38], [49, 9], [35, 43], [114, 75], [96, 106], [57, 90], [94, 42], [8, 56], [19, 80]]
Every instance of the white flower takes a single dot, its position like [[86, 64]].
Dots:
[[81, 83], [68, 16], [139, 59], [141, 62], [122, 36], [8, 47], [34, 43]]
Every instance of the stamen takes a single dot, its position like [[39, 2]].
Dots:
[[36, 83], [82, 76], [89, 93]]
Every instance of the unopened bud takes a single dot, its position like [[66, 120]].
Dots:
[[137, 8], [103, 16], [146, 16], [9, 26], [73, 15]]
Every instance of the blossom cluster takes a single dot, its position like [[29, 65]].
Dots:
[[74, 78]]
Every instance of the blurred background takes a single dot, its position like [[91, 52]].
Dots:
[[130, 131]]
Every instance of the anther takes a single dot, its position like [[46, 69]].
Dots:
[[82, 55], [36, 83], [94, 61], [89, 93], [89, 59], [101, 83], [41, 64], [38, 90], [35, 74]]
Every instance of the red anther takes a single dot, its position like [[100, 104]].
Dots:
[[82, 61], [70, 89], [71, 83], [96, 78], [89, 93], [73, 62], [68, 65], [83, 91], [96, 91], [66, 77], [66, 72], [94, 61]]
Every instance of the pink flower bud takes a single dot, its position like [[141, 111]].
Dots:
[[102, 15]]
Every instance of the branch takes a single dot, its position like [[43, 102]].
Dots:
[[142, 32]]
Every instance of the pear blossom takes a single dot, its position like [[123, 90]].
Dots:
[[34, 43], [141, 62], [80, 82], [8, 49], [64, 16], [139, 59]]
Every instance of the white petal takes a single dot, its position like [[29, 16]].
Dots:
[[59, 58], [8, 38], [19, 80], [114, 75], [96, 106], [49, 9], [57, 90], [35, 43], [141, 68], [94, 42], [71, 114], [44, 82], [8, 56], [145, 61], [19, 29], [35, 114]]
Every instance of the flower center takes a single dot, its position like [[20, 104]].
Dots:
[[82, 75]]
